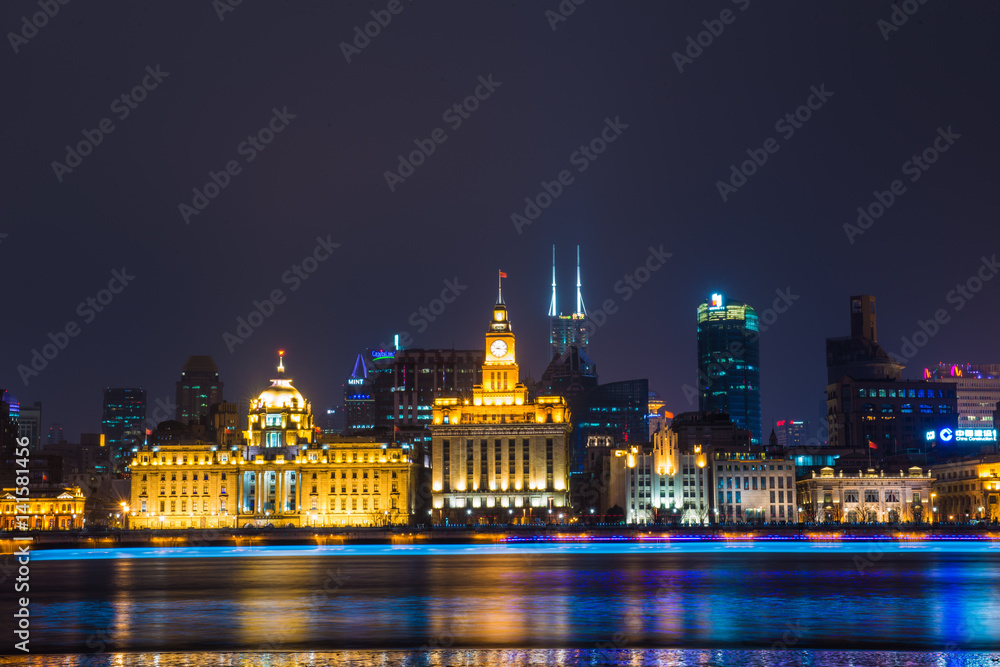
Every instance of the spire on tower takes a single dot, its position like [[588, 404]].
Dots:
[[552, 306], [281, 359], [580, 309], [501, 275]]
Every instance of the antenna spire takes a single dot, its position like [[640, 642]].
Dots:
[[552, 306], [580, 309], [281, 360]]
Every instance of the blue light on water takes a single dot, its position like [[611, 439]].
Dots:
[[621, 546]]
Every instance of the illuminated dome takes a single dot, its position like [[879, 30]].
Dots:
[[281, 393]]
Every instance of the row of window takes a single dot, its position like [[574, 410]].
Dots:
[[729, 497], [864, 392], [871, 496], [750, 483], [907, 408], [753, 467], [777, 512]]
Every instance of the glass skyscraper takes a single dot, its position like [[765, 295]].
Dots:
[[729, 362], [124, 423]]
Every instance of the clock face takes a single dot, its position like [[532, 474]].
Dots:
[[498, 348]]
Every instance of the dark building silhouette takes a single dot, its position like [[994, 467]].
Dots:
[[29, 425], [714, 430], [617, 410], [198, 389], [729, 362], [859, 355], [123, 423]]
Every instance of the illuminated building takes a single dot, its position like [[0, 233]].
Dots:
[[47, 509], [968, 489], [859, 355], [420, 376], [619, 410], [700, 483], [977, 390], [894, 415], [359, 400], [8, 434], [285, 475], [499, 454], [729, 362], [198, 389], [791, 433], [866, 497], [124, 423], [568, 330]]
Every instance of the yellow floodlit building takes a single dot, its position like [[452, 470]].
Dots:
[[498, 455], [48, 509], [284, 475]]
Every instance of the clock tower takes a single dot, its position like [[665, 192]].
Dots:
[[500, 453]]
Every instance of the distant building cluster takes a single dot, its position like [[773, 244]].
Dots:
[[459, 436]]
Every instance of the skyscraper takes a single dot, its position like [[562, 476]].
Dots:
[[978, 391], [123, 423], [791, 432], [567, 330], [729, 362], [29, 425], [860, 355], [198, 389]]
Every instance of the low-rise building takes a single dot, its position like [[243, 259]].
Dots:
[[866, 497], [59, 508], [967, 489]]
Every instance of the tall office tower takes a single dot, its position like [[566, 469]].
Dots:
[[859, 355], [791, 433], [568, 330], [978, 391], [29, 425], [420, 376], [359, 400], [55, 435], [198, 389], [8, 429], [123, 423], [729, 362]]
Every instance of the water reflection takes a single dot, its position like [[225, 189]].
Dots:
[[610, 602]]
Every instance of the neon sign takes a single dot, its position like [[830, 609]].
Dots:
[[383, 354], [946, 434], [355, 381], [716, 301], [976, 435]]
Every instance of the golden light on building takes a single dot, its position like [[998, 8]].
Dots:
[[501, 449], [285, 474]]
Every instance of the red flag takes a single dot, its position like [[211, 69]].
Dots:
[[503, 275], [872, 445]]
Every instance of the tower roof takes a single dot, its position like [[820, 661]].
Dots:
[[200, 364]]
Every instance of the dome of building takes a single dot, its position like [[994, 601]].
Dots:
[[281, 393]]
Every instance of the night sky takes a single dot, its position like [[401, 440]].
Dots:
[[885, 94]]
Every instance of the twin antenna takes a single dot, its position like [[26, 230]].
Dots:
[[580, 309]]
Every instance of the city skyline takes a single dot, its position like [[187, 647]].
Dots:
[[666, 167]]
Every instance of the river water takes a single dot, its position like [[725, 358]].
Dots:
[[629, 604]]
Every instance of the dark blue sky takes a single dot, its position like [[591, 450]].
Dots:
[[342, 126]]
